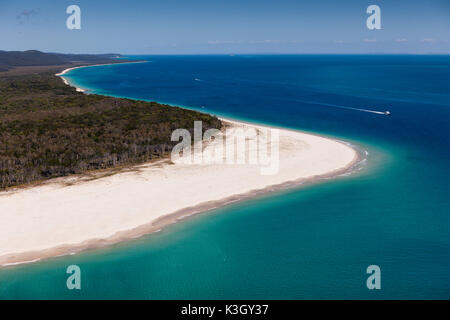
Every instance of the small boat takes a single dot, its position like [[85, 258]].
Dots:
[[387, 113]]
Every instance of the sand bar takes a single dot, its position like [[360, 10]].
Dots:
[[68, 214]]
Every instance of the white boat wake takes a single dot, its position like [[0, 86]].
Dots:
[[348, 108]]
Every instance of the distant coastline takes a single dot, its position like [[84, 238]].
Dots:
[[62, 73]]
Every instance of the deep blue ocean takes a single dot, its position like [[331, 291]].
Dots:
[[312, 242]]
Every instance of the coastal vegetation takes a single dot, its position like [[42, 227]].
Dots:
[[48, 129]]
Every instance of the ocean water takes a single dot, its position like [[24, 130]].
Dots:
[[311, 242]]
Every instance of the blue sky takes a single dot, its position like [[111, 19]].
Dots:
[[218, 26]]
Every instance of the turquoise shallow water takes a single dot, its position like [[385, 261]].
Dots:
[[314, 241]]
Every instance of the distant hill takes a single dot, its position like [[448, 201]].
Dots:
[[11, 59], [29, 58]]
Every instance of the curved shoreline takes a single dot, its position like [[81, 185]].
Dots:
[[159, 222], [67, 82], [60, 74]]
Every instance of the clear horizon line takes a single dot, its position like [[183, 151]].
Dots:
[[280, 53]]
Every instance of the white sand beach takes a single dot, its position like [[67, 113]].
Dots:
[[68, 214], [60, 74]]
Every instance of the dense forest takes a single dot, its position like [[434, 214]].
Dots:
[[48, 129]]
